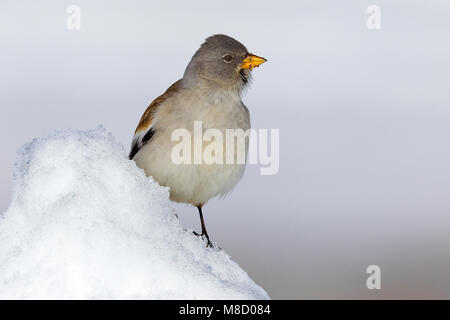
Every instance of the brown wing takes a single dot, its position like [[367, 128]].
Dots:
[[145, 131]]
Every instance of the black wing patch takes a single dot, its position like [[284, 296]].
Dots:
[[137, 145]]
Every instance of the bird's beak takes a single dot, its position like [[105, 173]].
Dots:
[[252, 61]]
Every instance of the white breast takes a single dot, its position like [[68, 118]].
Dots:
[[193, 183]]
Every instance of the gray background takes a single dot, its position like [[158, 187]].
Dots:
[[363, 116]]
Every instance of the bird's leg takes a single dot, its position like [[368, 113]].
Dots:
[[202, 221], [204, 233]]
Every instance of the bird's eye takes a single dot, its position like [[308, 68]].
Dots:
[[227, 58]]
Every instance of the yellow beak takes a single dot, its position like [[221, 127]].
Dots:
[[251, 61]]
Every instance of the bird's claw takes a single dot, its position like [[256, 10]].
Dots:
[[204, 236]]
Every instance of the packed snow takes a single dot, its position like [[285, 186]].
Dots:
[[85, 223]]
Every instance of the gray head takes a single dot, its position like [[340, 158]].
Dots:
[[221, 62]]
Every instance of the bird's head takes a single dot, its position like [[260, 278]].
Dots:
[[223, 62]]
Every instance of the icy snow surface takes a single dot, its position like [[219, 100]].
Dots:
[[85, 223]]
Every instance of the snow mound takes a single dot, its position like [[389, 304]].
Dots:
[[85, 223]]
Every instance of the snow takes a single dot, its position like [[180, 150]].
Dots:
[[85, 223]]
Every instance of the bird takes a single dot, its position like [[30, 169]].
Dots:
[[210, 91]]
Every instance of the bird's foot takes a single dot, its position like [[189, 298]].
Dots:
[[204, 236]]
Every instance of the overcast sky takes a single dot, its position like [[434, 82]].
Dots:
[[364, 120]]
